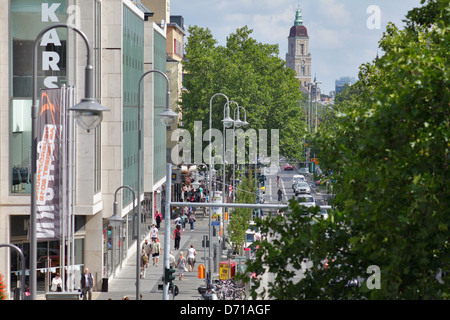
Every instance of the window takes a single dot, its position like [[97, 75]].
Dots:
[[25, 19]]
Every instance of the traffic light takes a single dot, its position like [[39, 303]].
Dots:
[[168, 275]]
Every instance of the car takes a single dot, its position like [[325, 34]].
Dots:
[[289, 167], [297, 178], [322, 215], [306, 200], [252, 234], [301, 188], [303, 170]]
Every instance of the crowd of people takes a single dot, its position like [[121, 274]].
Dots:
[[190, 194], [153, 250]]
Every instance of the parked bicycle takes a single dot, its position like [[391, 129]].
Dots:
[[229, 290]]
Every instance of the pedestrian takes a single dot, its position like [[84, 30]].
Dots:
[[280, 194], [171, 260], [147, 247], [144, 263], [86, 284], [56, 283], [156, 251], [181, 265], [177, 221], [184, 219], [192, 220], [154, 232], [177, 237], [158, 219], [191, 258]]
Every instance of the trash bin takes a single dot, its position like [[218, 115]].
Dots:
[[104, 284]]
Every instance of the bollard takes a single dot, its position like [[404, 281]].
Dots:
[[201, 271]]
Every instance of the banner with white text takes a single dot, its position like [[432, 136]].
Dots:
[[48, 175]]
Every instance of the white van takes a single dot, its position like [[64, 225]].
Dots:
[[297, 178]]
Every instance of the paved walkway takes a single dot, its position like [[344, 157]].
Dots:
[[124, 282]]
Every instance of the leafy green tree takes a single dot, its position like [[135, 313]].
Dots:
[[388, 144], [240, 218], [248, 72]]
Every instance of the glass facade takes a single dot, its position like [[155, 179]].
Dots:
[[133, 68], [27, 18], [159, 151]]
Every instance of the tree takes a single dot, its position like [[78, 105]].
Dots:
[[249, 73], [388, 143], [240, 218]]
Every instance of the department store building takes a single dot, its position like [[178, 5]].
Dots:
[[125, 44]]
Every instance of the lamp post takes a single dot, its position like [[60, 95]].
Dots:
[[238, 123], [116, 220], [168, 117], [89, 115], [227, 121]]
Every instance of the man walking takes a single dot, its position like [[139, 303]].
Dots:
[[86, 284]]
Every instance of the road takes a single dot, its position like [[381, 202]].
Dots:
[[272, 197]]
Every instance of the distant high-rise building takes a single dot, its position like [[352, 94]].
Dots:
[[339, 84], [298, 56]]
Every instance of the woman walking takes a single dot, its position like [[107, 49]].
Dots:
[[191, 258], [177, 236], [181, 265]]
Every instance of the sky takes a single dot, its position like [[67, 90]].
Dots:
[[343, 33]]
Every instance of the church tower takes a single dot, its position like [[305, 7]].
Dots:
[[298, 56]]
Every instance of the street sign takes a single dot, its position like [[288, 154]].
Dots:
[[215, 223]]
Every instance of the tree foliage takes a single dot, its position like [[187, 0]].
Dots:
[[249, 73], [388, 142], [240, 218]]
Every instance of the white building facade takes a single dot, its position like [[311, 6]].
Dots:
[[125, 45]]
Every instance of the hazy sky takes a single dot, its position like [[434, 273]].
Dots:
[[343, 33]]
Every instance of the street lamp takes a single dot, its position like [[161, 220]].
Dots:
[[226, 122], [116, 221], [88, 113], [87, 108], [168, 117], [237, 124]]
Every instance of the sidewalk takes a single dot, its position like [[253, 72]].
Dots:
[[124, 283]]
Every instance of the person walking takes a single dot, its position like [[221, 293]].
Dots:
[[147, 247], [181, 265], [154, 232], [56, 283], [86, 284], [280, 195], [171, 260], [144, 263], [191, 258], [158, 219], [177, 237], [184, 219], [192, 220], [156, 251], [177, 221]]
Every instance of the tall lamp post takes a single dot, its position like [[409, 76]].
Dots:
[[227, 122], [168, 117], [116, 220], [89, 114], [238, 123]]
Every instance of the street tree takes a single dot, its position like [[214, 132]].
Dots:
[[388, 144], [248, 72], [240, 217]]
